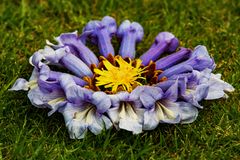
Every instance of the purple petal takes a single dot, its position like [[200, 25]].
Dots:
[[76, 129], [193, 96], [165, 111], [148, 95], [175, 70], [101, 101], [131, 118], [36, 59], [41, 99], [172, 92], [74, 93], [119, 97], [64, 57], [200, 59], [165, 85]]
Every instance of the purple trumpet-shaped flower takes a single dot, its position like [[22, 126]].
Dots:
[[163, 107], [130, 34], [49, 80], [197, 86], [84, 109], [61, 56], [76, 47], [126, 112], [39, 97], [101, 33], [199, 60], [164, 42], [172, 59]]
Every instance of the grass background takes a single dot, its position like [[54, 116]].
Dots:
[[27, 133]]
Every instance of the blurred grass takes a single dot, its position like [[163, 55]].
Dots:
[[27, 133]]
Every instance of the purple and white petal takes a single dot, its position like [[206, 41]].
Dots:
[[165, 111], [130, 118], [80, 119], [188, 113], [40, 98], [20, 84], [218, 87], [101, 101]]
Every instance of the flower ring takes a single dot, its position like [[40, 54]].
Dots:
[[98, 91]]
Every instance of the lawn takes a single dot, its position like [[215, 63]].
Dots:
[[28, 133]]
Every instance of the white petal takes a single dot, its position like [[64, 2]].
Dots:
[[131, 118], [151, 120], [217, 87]]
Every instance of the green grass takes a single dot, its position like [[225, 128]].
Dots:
[[28, 133]]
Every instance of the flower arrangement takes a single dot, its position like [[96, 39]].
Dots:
[[95, 92]]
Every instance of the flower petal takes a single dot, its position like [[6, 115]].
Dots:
[[130, 118], [101, 101], [20, 84], [119, 97], [172, 92], [74, 93], [41, 98], [188, 112], [217, 87], [165, 111], [101, 32], [148, 95], [76, 129]]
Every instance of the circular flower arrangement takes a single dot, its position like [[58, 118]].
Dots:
[[96, 92]]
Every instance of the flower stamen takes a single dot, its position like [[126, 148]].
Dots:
[[124, 75]]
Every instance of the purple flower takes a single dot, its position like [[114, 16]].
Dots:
[[63, 57], [101, 33], [39, 96], [163, 107], [197, 86], [84, 109], [126, 112], [164, 42], [199, 60], [76, 47], [130, 33]]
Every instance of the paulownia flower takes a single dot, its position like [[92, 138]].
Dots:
[[96, 92]]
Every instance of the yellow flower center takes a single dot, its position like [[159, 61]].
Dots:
[[122, 76]]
